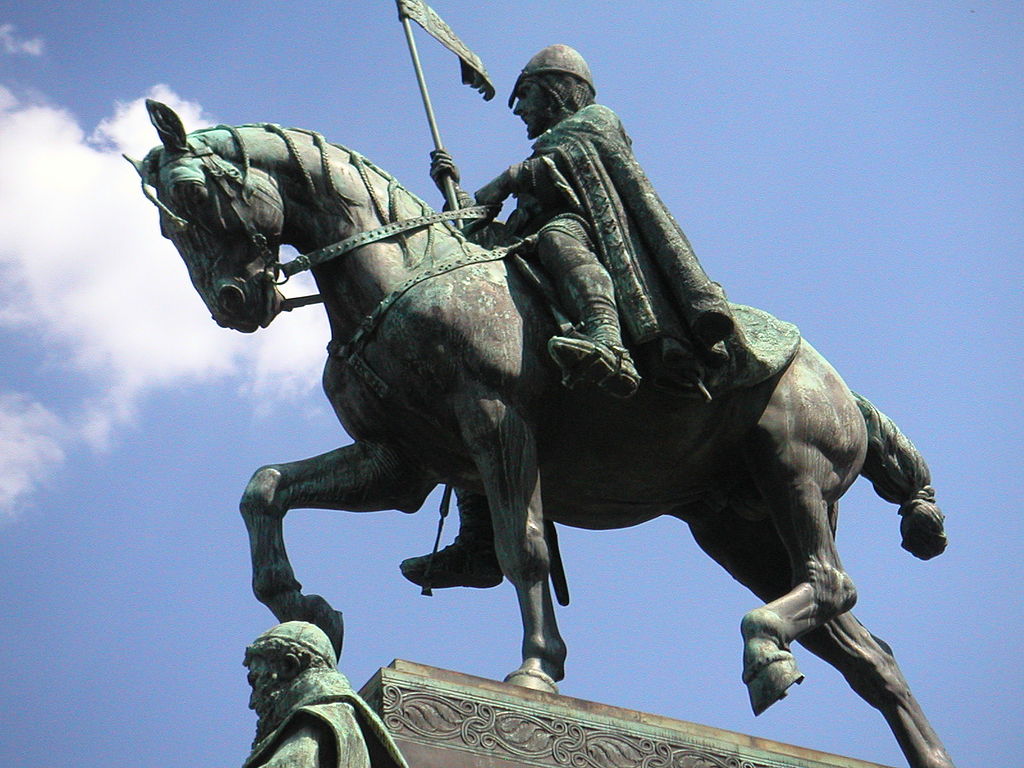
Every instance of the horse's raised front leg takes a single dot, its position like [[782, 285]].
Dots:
[[505, 452], [361, 477]]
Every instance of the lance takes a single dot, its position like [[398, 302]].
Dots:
[[473, 71]]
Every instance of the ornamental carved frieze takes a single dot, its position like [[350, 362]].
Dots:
[[527, 736]]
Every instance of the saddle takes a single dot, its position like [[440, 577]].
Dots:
[[761, 346]]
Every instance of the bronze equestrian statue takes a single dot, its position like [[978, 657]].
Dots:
[[609, 246], [439, 368]]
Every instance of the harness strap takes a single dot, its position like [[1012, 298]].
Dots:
[[220, 170], [322, 255]]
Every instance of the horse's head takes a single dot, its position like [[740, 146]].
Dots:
[[224, 217]]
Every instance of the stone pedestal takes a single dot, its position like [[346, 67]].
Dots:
[[443, 719]]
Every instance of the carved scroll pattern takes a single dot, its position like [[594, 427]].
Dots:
[[539, 739]]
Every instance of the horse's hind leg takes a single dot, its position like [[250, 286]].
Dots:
[[820, 591], [754, 555], [505, 452], [358, 477], [869, 667], [805, 451]]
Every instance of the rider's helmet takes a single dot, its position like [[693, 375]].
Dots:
[[554, 58]]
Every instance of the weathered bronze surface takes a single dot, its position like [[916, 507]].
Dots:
[[588, 216], [442, 719], [309, 716], [596, 225], [439, 369]]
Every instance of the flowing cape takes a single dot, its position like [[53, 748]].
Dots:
[[588, 162]]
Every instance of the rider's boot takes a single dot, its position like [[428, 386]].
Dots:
[[597, 355], [470, 560]]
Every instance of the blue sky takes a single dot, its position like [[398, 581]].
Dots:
[[855, 168]]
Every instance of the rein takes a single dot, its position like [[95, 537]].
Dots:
[[307, 261], [225, 174], [312, 259], [321, 256]]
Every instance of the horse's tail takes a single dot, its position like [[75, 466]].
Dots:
[[900, 475]]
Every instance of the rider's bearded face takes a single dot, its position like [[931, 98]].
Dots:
[[266, 681], [535, 107]]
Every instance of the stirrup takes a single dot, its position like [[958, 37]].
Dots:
[[583, 361], [716, 356]]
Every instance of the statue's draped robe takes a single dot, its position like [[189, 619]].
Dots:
[[585, 165], [321, 702]]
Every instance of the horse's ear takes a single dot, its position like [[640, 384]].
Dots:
[[168, 125], [140, 167]]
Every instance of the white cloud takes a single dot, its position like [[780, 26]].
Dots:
[[83, 268], [14, 45], [129, 131], [30, 443]]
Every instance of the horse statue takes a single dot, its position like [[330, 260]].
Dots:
[[438, 370]]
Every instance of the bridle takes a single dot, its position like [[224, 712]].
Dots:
[[233, 185]]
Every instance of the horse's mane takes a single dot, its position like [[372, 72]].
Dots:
[[286, 134], [237, 149]]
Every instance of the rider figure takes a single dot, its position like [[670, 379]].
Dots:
[[611, 248]]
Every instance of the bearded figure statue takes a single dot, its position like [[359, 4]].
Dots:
[[309, 715]]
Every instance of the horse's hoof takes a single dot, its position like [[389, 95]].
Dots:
[[770, 682], [329, 620], [533, 679]]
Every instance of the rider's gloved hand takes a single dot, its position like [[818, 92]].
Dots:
[[441, 167]]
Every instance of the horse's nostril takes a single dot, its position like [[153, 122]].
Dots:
[[231, 299]]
